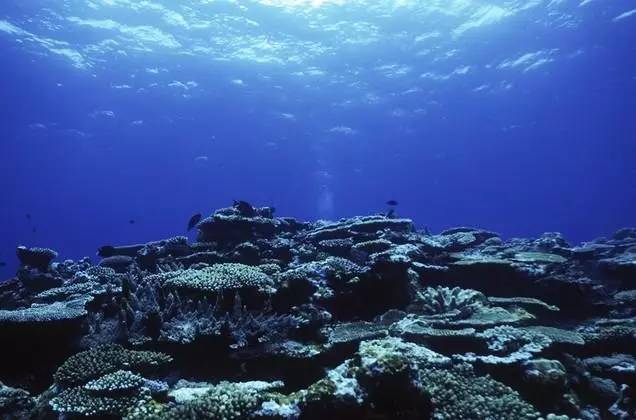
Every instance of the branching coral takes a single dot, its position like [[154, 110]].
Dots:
[[54, 312], [454, 390], [458, 393], [114, 394], [154, 312], [455, 302], [447, 308], [98, 382], [225, 401], [509, 345], [217, 278], [120, 381], [101, 360]]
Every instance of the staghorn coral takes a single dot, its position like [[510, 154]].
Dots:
[[154, 312], [243, 327]]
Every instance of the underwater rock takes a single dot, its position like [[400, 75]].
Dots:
[[107, 251], [620, 269], [15, 404], [229, 225], [625, 406], [39, 258], [359, 228], [35, 280], [545, 373], [119, 263], [621, 368], [625, 233], [460, 239]]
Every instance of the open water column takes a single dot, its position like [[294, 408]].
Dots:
[[327, 209]]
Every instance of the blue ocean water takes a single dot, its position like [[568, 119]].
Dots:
[[515, 116]]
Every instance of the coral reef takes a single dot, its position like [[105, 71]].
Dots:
[[270, 317], [102, 360], [217, 278]]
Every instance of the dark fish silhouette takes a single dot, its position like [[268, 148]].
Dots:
[[392, 203], [194, 220], [34, 230], [131, 221], [244, 208], [3, 264], [106, 251], [28, 216]]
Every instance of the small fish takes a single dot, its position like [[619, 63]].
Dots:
[[34, 230], [392, 203], [244, 208], [106, 251], [3, 264], [28, 216], [131, 222], [194, 220]]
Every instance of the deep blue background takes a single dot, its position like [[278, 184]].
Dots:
[[555, 153]]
